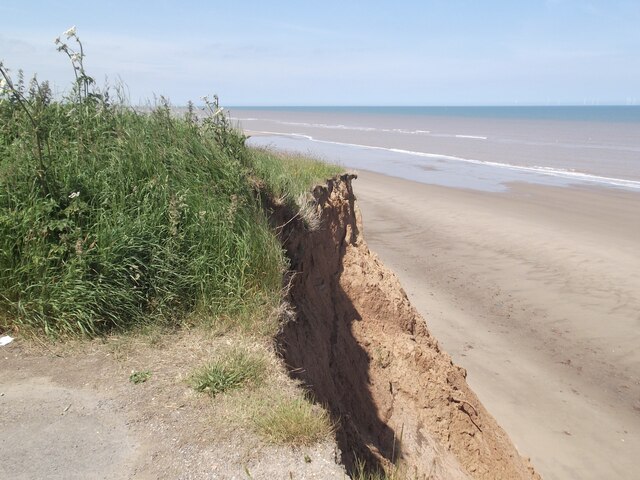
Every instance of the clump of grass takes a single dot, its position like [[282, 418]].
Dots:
[[363, 473], [139, 377], [294, 422], [234, 369], [391, 472], [290, 175]]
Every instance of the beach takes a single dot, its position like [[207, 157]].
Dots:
[[536, 293], [515, 233]]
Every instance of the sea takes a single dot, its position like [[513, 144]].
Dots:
[[486, 148]]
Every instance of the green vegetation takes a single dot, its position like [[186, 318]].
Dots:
[[294, 422], [289, 175], [233, 369], [364, 473], [122, 222], [139, 377], [112, 218]]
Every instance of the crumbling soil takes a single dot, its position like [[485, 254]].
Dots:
[[367, 355]]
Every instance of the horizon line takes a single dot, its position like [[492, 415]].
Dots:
[[497, 105]]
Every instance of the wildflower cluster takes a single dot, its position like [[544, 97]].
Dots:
[[76, 55]]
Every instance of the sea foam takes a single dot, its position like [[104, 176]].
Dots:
[[534, 169]]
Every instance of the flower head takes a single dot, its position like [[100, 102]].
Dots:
[[74, 194], [71, 32], [76, 57]]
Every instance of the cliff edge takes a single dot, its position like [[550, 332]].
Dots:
[[366, 353]]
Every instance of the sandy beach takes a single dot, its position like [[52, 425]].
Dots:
[[536, 292]]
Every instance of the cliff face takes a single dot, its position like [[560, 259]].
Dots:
[[367, 355]]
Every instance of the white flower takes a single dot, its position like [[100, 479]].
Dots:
[[74, 194], [76, 57], [71, 32], [204, 99]]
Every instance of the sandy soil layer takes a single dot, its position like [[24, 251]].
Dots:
[[366, 354], [536, 293]]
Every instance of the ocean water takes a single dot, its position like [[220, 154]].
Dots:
[[470, 147]]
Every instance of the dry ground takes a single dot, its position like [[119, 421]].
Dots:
[[69, 411]]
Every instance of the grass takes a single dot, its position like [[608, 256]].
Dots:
[[392, 473], [117, 221], [139, 377], [289, 175], [145, 217], [294, 422], [231, 370], [111, 218]]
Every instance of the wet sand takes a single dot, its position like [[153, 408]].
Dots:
[[536, 292]]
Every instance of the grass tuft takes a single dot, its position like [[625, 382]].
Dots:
[[139, 377], [234, 369], [294, 422], [290, 175], [391, 472]]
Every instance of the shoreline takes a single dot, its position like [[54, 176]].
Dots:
[[535, 292], [571, 144], [445, 169]]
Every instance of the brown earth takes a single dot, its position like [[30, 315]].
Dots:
[[68, 411], [367, 354]]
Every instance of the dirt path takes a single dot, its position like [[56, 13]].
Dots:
[[66, 433], [70, 412], [536, 294]]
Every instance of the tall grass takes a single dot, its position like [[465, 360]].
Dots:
[[110, 218], [289, 175]]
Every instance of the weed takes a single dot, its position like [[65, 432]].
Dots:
[[233, 369], [295, 422], [289, 176], [139, 377], [363, 473], [392, 472]]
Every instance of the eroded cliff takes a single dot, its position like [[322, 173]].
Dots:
[[366, 353]]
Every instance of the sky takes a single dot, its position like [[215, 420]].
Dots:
[[348, 52]]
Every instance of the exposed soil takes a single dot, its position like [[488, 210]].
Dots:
[[367, 354], [69, 411]]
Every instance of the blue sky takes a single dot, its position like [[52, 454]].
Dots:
[[432, 52]]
